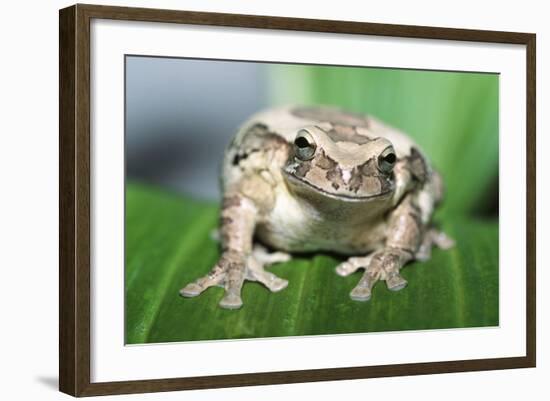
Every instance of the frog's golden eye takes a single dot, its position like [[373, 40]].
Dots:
[[386, 160], [304, 145]]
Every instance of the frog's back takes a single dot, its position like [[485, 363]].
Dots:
[[342, 125]]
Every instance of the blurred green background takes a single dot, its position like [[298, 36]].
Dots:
[[452, 115]]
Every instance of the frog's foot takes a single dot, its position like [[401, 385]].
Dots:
[[233, 269], [380, 265], [431, 238]]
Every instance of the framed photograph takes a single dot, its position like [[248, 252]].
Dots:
[[251, 200]]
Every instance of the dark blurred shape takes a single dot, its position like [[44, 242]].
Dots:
[[489, 204]]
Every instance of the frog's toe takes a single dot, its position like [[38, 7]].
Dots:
[[442, 240], [360, 293], [432, 238], [191, 290], [274, 283], [396, 282], [363, 289], [353, 264], [270, 280], [278, 257], [256, 268], [264, 257], [345, 269], [231, 301], [197, 287]]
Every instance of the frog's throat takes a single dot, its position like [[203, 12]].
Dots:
[[341, 197]]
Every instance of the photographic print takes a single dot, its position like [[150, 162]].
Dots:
[[248, 188], [271, 199]]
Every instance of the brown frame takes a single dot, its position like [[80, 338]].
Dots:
[[74, 199]]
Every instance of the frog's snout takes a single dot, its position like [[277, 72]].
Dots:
[[346, 176]]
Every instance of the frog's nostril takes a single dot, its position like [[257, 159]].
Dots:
[[346, 175]]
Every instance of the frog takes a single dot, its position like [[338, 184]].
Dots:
[[304, 179]]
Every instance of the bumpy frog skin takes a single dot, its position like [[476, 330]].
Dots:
[[307, 179]]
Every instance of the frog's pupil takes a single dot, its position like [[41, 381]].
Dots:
[[301, 142], [390, 158]]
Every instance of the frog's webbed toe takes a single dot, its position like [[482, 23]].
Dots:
[[233, 269]]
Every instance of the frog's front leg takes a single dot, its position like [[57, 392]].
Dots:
[[404, 235], [239, 260]]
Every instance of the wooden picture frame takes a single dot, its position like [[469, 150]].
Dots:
[[74, 205]]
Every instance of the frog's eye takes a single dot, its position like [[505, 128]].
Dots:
[[304, 145], [387, 160]]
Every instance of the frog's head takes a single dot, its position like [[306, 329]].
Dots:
[[342, 165]]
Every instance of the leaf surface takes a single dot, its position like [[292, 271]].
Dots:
[[169, 244]]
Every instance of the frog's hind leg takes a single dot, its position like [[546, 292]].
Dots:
[[352, 265], [256, 263], [362, 292], [380, 265], [433, 237]]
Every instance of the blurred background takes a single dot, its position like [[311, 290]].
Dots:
[[182, 113]]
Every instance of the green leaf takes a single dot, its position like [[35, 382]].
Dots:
[[168, 244]]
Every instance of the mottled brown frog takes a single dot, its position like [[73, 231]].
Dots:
[[314, 179]]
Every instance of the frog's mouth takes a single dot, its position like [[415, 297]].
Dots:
[[308, 189]]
